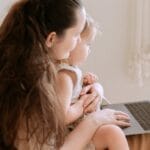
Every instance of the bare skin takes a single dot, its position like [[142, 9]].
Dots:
[[105, 136]]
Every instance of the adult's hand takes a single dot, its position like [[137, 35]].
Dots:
[[92, 103], [110, 116]]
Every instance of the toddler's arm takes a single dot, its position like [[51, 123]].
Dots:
[[65, 89], [90, 81]]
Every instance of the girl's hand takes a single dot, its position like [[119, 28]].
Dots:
[[97, 87], [89, 78], [110, 116], [92, 103]]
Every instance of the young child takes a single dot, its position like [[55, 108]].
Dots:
[[73, 84], [75, 109]]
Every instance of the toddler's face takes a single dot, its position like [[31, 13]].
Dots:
[[81, 51]]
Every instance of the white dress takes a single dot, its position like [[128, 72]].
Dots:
[[78, 85]]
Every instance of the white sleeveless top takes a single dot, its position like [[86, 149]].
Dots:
[[78, 85]]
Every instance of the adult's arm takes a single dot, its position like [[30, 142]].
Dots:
[[86, 129]]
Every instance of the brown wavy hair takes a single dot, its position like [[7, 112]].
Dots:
[[28, 96]]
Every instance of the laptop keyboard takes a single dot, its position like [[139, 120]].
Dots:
[[141, 112]]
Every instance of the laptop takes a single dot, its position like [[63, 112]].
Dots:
[[139, 113]]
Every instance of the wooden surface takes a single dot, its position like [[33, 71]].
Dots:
[[139, 142]]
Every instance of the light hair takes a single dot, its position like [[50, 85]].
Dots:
[[91, 27]]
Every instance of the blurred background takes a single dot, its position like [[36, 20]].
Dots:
[[113, 56]]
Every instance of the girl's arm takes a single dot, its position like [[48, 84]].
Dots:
[[65, 86]]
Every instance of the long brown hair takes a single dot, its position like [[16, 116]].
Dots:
[[28, 96]]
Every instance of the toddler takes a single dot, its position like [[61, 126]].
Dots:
[[76, 84]]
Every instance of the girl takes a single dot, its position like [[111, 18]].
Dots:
[[74, 109], [35, 34], [79, 55]]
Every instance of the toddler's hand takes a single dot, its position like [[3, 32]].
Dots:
[[89, 78], [92, 103], [95, 89], [93, 106]]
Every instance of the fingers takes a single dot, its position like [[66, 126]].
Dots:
[[84, 98], [93, 106], [121, 113], [90, 99], [122, 119], [119, 118], [122, 124], [91, 77], [86, 89], [109, 116]]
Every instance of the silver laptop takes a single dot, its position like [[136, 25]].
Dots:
[[139, 113]]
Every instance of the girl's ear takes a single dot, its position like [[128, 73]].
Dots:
[[50, 40]]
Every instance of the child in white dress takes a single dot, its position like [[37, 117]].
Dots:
[[73, 109], [77, 58]]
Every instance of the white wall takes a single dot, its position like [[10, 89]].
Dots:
[[111, 52], [4, 6]]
